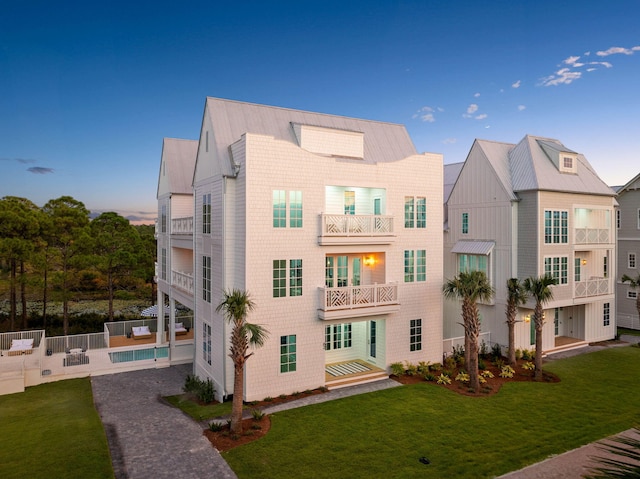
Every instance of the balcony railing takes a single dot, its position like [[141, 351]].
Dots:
[[592, 287], [357, 225], [182, 226], [353, 297], [592, 236], [183, 281]]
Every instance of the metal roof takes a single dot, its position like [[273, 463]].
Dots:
[[383, 142], [473, 247], [180, 159], [451, 173]]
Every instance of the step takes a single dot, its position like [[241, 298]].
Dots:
[[360, 379]]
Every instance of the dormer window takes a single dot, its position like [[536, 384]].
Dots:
[[568, 163]]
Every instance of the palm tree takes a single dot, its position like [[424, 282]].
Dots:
[[538, 288], [516, 297], [635, 284], [236, 305], [470, 287]]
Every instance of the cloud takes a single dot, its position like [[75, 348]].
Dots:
[[450, 141], [482, 116], [476, 95], [564, 76], [516, 84], [39, 170], [617, 50], [426, 114], [521, 107], [24, 161], [472, 109]]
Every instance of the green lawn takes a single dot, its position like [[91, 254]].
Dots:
[[383, 434], [53, 430], [197, 411]]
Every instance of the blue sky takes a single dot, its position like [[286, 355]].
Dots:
[[88, 91]]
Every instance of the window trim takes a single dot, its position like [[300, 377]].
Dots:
[[206, 278], [606, 314], [632, 260], [465, 223], [563, 273], [632, 294], [553, 230], [206, 213], [288, 354], [415, 335]]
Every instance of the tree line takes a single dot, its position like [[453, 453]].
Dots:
[[58, 247]]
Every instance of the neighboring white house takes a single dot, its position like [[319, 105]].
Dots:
[[525, 210], [628, 226], [332, 224]]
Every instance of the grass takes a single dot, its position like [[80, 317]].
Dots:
[[53, 430], [372, 434], [631, 332], [197, 411]]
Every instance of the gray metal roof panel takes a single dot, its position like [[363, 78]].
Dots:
[[180, 158], [473, 247]]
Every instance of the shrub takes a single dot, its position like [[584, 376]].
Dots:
[[444, 379], [191, 383], [435, 367], [481, 379], [529, 366], [397, 369], [496, 350], [518, 354], [481, 364], [462, 377], [412, 369], [429, 377], [206, 393], [257, 414], [283, 396], [507, 372], [215, 426], [450, 362], [525, 355], [487, 374], [323, 389], [268, 399], [423, 367], [458, 352], [484, 349], [295, 394], [499, 363]]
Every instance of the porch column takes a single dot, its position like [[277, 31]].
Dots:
[[160, 317]]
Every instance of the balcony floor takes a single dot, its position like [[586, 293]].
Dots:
[[119, 341]]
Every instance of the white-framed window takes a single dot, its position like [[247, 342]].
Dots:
[[577, 270], [631, 261], [473, 262], [415, 265], [206, 278], [349, 202], [409, 266], [556, 227], [567, 162], [280, 278], [409, 211], [421, 265], [338, 336], [206, 214], [465, 223], [638, 218], [631, 294], [279, 203], [606, 318], [618, 219], [206, 342], [415, 212], [421, 212], [556, 267], [288, 353], [163, 219], [415, 335]]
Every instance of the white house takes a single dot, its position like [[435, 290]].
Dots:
[[628, 226], [528, 209], [332, 224]]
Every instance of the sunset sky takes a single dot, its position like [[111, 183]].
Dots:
[[88, 90]]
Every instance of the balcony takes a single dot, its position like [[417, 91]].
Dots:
[[358, 301], [182, 226], [592, 236], [356, 229], [592, 287], [182, 281]]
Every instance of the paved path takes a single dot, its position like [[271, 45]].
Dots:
[[148, 438]]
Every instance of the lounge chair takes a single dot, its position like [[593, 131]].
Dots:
[[21, 346], [140, 332], [180, 329]]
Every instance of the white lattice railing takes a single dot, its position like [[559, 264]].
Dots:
[[592, 236], [357, 225], [182, 226], [364, 296], [183, 281], [593, 287]]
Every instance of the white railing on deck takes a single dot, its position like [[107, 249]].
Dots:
[[6, 338], [593, 287], [183, 281], [122, 328], [60, 344], [182, 226], [592, 236], [357, 225], [364, 296], [450, 343]]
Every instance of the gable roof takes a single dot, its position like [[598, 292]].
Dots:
[[451, 173], [633, 184], [527, 166], [178, 161], [383, 142]]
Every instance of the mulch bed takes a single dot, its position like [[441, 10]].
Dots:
[[252, 430]]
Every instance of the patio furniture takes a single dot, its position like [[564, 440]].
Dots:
[[20, 346], [75, 358], [180, 329], [140, 332]]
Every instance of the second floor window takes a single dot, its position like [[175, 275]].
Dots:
[[206, 214], [556, 227], [206, 342], [163, 219], [557, 268], [280, 209], [631, 261], [415, 265], [465, 223], [280, 278], [415, 212]]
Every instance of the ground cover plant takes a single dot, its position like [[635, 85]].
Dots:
[[53, 430], [372, 434]]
